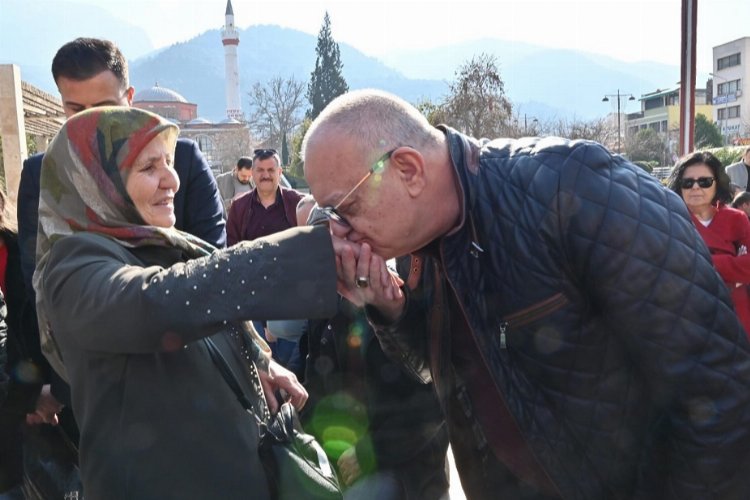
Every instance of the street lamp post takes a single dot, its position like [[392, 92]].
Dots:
[[525, 125], [618, 96]]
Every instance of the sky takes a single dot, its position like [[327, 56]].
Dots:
[[629, 30]]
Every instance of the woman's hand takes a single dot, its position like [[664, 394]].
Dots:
[[279, 378], [47, 408]]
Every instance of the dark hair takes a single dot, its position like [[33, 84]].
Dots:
[[723, 191], [741, 199], [84, 58], [244, 162]]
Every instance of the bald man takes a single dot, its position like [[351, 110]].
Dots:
[[580, 342]]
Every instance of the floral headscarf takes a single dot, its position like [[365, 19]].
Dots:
[[84, 173]]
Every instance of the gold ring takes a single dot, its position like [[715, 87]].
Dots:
[[362, 282]]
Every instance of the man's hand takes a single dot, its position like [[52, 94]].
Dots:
[[349, 466], [47, 408], [279, 378]]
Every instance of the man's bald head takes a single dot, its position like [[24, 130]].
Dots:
[[374, 119], [375, 162]]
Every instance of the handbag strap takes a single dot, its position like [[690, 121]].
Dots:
[[226, 371]]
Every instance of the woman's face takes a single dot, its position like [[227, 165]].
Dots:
[[153, 182], [697, 197]]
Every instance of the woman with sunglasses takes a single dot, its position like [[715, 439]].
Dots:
[[704, 186]]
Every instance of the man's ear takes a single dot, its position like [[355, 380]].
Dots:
[[129, 94], [409, 165]]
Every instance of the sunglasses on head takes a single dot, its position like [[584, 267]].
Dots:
[[703, 182], [264, 153]]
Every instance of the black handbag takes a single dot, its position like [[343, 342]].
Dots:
[[50, 465], [295, 464]]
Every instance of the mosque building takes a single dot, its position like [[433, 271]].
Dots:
[[222, 143]]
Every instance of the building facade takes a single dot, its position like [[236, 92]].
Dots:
[[660, 111], [731, 72]]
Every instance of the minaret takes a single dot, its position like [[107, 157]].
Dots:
[[231, 39]]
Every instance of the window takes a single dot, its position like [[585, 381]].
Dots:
[[653, 103], [728, 113], [206, 145], [729, 88], [728, 61], [664, 126]]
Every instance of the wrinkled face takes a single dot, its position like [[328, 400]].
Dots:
[[103, 89], [377, 212], [153, 182], [266, 175], [697, 197], [244, 175]]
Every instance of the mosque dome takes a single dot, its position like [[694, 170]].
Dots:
[[198, 121], [158, 94], [229, 120]]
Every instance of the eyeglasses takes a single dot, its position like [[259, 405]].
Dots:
[[703, 182], [332, 212], [262, 154]]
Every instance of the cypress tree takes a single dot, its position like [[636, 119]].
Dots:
[[326, 80]]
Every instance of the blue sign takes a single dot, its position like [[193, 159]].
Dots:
[[723, 99]]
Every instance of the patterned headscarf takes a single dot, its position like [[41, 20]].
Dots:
[[84, 173]]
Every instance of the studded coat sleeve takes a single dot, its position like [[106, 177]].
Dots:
[[103, 298]]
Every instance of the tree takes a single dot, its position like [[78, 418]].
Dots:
[[276, 109], [707, 134], [284, 151], [326, 80], [477, 104], [645, 145], [599, 130], [297, 165], [434, 112]]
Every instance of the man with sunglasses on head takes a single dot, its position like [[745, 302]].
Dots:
[[579, 339], [266, 209]]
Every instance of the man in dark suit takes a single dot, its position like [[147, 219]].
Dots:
[[90, 72]]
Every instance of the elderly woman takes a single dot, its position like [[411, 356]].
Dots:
[[125, 299], [701, 181]]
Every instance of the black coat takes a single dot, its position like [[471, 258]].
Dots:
[[602, 321], [157, 419]]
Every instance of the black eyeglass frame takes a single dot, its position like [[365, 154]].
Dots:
[[703, 182]]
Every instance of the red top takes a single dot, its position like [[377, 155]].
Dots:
[[725, 236]]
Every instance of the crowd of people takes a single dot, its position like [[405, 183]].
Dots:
[[571, 327]]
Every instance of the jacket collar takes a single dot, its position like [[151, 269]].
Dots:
[[465, 153]]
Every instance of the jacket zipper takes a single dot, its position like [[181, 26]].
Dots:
[[484, 359], [530, 314]]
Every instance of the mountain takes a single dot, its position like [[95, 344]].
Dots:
[[569, 83], [542, 83], [32, 31], [195, 68]]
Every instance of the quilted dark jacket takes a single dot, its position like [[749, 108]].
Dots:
[[603, 323]]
